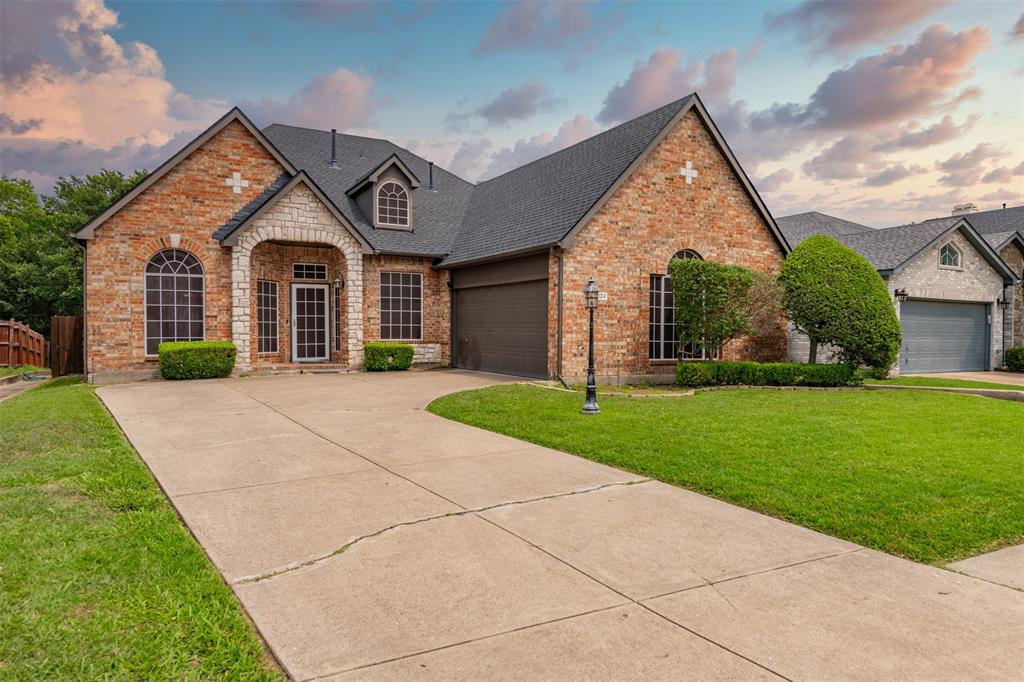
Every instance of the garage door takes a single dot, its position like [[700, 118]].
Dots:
[[943, 337], [501, 317]]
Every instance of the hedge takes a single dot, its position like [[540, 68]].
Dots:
[[196, 359], [1014, 358], [381, 357], [716, 373]]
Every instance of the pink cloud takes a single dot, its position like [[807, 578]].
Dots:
[[518, 103], [341, 99], [532, 24], [893, 174], [912, 136], [774, 181], [965, 168], [525, 150], [664, 77], [838, 26]]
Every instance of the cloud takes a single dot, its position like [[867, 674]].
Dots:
[[774, 181], [893, 174], [664, 78], [518, 103], [525, 150], [912, 136], [468, 160], [8, 126], [25, 25], [361, 13], [839, 26], [1018, 29], [532, 24], [341, 99], [965, 169], [843, 160]]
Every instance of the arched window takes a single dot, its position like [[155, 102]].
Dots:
[[392, 204], [174, 299], [663, 343], [949, 256]]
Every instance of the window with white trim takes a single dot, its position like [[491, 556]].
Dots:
[[401, 306], [174, 299], [267, 316], [392, 204], [949, 256], [663, 343]]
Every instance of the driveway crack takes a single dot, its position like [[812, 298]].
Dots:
[[289, 568]]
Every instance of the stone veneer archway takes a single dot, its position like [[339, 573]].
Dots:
[[298, 218]]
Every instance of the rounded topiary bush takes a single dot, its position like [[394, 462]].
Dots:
[[1014, 358], [196, 359], [835, 296]]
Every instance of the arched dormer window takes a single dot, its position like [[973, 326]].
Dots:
[[174, 299], [663, 344], [392, 204], [949, 256]]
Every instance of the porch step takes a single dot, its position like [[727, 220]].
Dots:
[[298, 368]]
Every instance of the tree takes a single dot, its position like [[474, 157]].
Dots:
[[766, 310], [834, 296], [40, 264], [711, 302]]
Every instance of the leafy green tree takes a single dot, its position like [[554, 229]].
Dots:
[[40, 264], [834, 296], [712, 302]]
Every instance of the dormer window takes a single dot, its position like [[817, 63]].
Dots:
[[949, 257], [392, 205]]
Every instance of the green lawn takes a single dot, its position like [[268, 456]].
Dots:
[[924, 475], [98, 577], [945, 383], [8, 371]]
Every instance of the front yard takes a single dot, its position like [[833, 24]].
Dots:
[[929, 476], [98, 577]]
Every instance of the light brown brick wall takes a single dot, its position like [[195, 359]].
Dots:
[[274, 262], [192, 201], [435, 346], [653, 215]]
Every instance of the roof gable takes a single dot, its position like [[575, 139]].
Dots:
[[232, 231], [373, 176], [88, 230]]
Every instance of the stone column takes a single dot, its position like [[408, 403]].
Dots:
[[354, 306], [241, 308]]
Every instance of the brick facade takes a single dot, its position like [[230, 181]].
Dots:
[[190, 201], [1014, 257], [435, 345], [651, 216]]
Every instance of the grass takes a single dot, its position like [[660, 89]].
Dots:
[[634, 389], [945, 383], [8, 371], [98, 577], [928, 476]]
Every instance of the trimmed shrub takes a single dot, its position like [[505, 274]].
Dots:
[[1014, 358], [196, 359], [381, 356], [715, 373], [711, 301], [836, 297]]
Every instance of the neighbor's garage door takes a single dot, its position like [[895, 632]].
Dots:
[[940, 336], [501, 317]]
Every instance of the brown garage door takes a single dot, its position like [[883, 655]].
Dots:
[[501, 318]]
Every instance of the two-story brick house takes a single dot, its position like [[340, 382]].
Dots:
[[301, 245]]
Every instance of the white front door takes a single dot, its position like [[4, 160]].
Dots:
[[309, 323]]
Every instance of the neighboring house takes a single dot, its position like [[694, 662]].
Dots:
[[958, 312], [300, 245]]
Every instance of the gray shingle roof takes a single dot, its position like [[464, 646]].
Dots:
[[802, 226], [537, 204], [997, 226], [891, 247], [437, 213]]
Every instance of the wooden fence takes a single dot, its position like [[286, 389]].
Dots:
[[66, 345], [19, 345]]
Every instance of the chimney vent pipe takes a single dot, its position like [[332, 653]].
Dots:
[[334, 147]]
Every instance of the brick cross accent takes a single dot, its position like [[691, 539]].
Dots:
[[688, 172], [236, 183]]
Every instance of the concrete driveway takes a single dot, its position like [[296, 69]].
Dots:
[[1009, 378], [369, 539]]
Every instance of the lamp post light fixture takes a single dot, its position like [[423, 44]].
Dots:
[[1003, 303], [901, 295], [591, 295]]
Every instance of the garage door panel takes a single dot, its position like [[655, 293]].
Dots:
[[502, 328], [940, 336]]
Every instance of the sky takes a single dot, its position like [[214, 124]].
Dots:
[[879, 112]]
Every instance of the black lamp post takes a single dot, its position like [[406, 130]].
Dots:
[[591, 293]]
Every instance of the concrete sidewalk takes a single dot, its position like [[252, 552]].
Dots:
[[369, 539]]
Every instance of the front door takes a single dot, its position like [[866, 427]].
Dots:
[[309, 323]]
